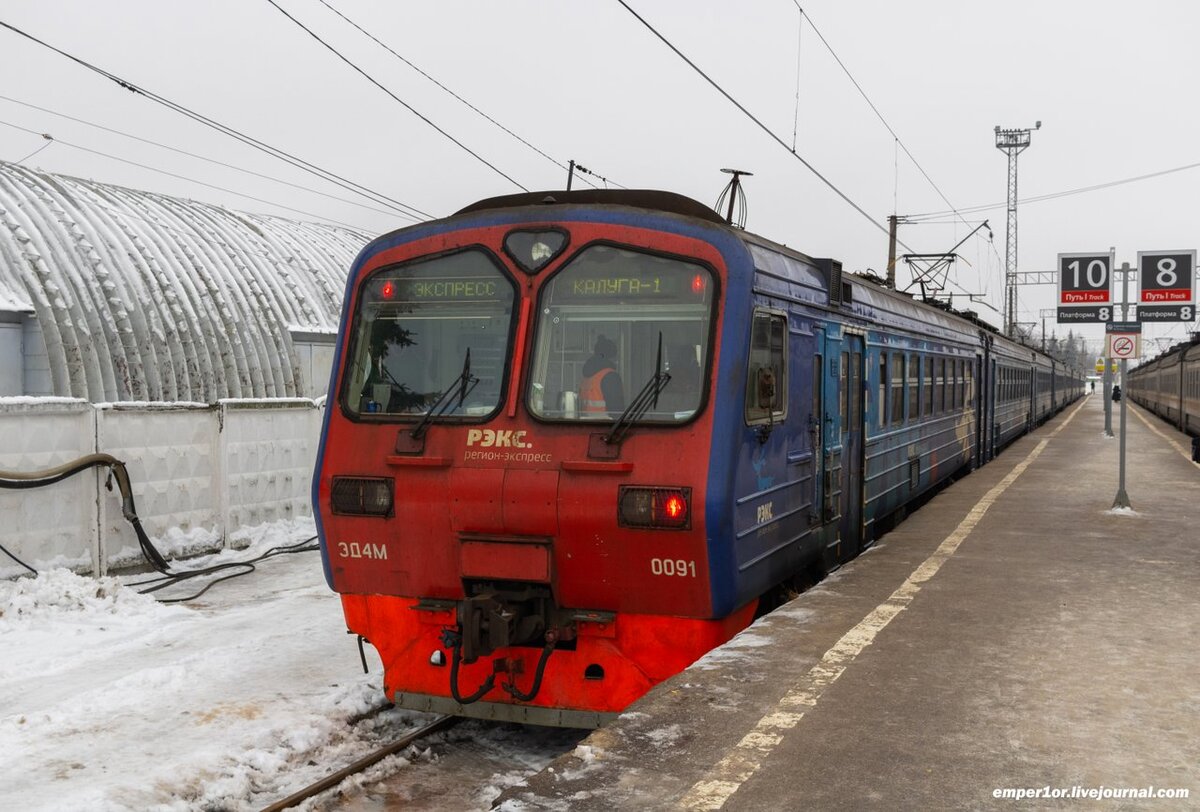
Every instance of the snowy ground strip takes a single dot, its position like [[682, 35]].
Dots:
[[111, 700]]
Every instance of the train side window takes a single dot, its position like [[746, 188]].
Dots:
[[843, 391], [882, 405], [944, 393], [766, 384], [897, 387], [856, 391], [914, 387], [818, 376], [959, 387], [927, 409]]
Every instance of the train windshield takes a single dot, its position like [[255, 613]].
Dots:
[[602, 321], [425, 328]]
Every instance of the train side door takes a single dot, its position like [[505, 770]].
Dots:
[[850, 397], [842, 424], [983, 416]]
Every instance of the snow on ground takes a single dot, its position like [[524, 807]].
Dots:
[[111, 700]]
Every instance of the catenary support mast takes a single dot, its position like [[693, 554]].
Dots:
[[1012, 142]]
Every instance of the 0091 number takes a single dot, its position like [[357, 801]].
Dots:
[[679, 567]]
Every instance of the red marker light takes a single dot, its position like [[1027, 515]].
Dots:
[[654, 508], [389, 289], [698, 284]]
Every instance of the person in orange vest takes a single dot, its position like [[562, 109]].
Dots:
[[601, 390]]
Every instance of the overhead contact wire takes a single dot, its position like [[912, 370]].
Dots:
[[186, 178], [299, 163], [399, 100], [1065, 193], [875, 109], [761, 126], [475, 109], [178, 151]]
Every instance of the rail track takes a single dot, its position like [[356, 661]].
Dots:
[[335, 778]]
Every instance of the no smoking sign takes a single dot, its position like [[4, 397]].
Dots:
[[1123, 346]]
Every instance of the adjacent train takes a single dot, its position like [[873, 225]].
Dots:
[[1169, 386], [575, 440]]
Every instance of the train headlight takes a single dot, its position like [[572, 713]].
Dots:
[[660, 508], [533, 250], [361, 496]]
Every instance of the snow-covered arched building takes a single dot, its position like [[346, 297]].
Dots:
[[111, 294]]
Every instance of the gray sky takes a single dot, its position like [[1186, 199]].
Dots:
[[587, 81]]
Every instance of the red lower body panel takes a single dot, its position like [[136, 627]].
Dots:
[[612, 664]]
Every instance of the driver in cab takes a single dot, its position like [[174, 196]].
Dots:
[[601, 390]]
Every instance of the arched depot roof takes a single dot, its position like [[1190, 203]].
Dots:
[[140, 296]]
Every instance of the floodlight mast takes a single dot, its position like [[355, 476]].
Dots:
[[1012, 142]]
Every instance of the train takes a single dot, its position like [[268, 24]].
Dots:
[[576, 440], [1169, 386]]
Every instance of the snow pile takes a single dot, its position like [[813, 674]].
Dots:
[[61, 595]]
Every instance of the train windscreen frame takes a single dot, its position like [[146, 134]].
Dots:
[[425, 327], [597, 336]]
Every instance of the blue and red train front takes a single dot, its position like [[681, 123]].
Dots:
[[515, 462]]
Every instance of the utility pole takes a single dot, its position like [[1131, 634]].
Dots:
[[1012, 142], [1122, 498]]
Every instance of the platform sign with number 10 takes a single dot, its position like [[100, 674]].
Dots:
[[1167, 284], [1085, 287]]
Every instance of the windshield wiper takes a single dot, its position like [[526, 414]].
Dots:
[[465, 382], [641, 404]]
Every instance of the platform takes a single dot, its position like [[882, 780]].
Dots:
[[1013, 634]]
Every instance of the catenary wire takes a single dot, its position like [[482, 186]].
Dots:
[[754, 119], [186, 178], [178, 151], [307, 166], [475, 109], [399, 100], [1065, 193], [796, 109], [874, 109], [49, 140], [769, 132]]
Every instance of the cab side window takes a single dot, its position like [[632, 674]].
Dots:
[[766, 382]]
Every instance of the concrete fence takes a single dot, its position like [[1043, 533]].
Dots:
[[199, 473]]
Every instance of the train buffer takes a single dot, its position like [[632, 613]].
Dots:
[[1014, 635]]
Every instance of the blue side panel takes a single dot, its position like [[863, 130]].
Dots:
[[728, 423], [763, 476]]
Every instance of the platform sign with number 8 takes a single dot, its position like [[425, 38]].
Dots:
[[1084, 281], [1167, 285]]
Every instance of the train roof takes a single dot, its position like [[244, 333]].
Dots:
[[889, 305], [652, 199], [1183, 351]]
